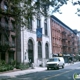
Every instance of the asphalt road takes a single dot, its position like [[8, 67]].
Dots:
[[61, 74]]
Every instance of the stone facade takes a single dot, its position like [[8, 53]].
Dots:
[[34, 51]]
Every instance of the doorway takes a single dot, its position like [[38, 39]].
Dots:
[[30, 52]]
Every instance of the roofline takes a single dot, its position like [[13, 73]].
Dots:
[[60, 22]]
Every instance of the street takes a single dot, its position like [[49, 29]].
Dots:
[[61, 74]]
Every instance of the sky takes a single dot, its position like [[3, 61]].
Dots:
[[69, 17]]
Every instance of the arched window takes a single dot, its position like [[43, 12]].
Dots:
[[47, 50], [30, 51], [39, 50], [30, 45]]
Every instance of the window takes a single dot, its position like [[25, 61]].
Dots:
[[11, 57], [13, 41], [30, 23], [38, 21], [30, 51], [12, 25], [6, 22], [39, 50], [45, 9], [30, 45], [3, 56], [45, 26], [6, 37], [6, 40], [47, 51]]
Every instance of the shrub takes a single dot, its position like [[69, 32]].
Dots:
[[2, 62], [22, 66], [5, 67], [12, 65]]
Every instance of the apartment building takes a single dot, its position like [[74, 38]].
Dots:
[[64, 39], [78, 34], [7, 34]]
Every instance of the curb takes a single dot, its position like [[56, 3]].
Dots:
[[28, 71]]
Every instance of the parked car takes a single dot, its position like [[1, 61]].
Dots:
[[55, 62]]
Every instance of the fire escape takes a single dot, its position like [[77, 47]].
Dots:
[[64, 43], [69, 43], [7, 32], [4, 35]]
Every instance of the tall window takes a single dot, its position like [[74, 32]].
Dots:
[[13, 41], [39, 50], [45, 27], [12, 25], [30, 23], [30, 45], [45, 9], [30, 51], [47, 50], [6, 22], [38, 21], [6, 40]]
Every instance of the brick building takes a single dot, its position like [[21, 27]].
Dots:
[[7, 33], [64, 39]]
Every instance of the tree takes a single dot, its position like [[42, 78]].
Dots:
[[22, 10], [77, 2]]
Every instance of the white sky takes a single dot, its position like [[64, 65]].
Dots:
[[69, 17]]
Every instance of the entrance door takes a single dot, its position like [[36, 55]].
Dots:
[[30, 51], [11, 57], [3, 56]]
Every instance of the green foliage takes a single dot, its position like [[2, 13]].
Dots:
[[77, 2], [22, 66], [2, 62], [6, 67], [13, 63], [25, 9]]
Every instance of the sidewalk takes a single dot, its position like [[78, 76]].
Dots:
[[22, 72]]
